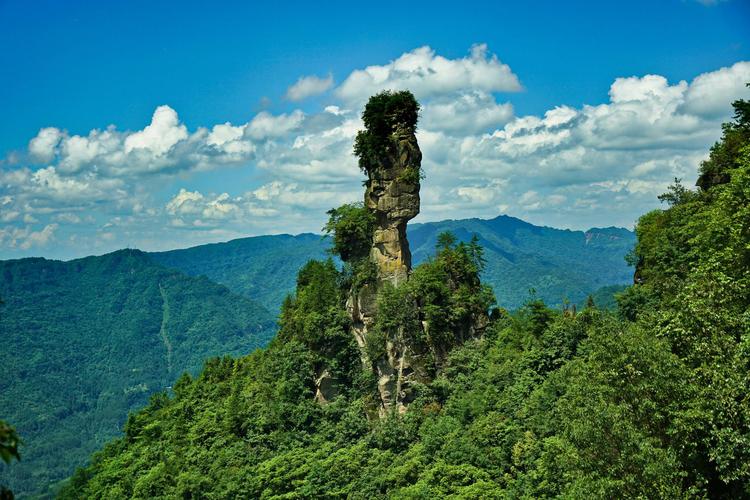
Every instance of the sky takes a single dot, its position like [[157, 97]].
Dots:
[[162, 125]]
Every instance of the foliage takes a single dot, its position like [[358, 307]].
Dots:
[[558, 264], [725, 153], [604, 298], [646, 402], [261, 268], [383, 113], [584, 409], [9, 442], [437, 308], [351, 226], [87, 341], [695, 260], [316, 318]]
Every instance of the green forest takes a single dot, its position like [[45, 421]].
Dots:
[[647, 401], [103, 319], [87, 341]]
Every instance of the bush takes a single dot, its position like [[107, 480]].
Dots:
[[382, 114]]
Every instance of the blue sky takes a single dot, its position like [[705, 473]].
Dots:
[[523, 114]]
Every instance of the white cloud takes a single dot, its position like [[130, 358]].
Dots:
[[573, 167], [44, 145], [26, 238], [597, 164], [40, 238], [464, 114], [711, 94], [427, 74], [9, 215], [185, 202], [267, 126], [308, 86], [47, 183], [161, 135], [193, 203], [163, 147], [68, 218]]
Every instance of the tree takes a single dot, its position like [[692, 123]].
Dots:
[[726, 152], [383, 113], [9, 442], [352, 226]]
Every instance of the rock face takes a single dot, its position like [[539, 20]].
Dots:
[[390, 156], [393, 195]]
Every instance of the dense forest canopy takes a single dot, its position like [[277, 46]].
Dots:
[[87, 341], [650, 401]]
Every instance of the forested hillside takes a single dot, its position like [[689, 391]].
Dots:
[[87, 341], [648, 402], [262, 268], [557, 264]]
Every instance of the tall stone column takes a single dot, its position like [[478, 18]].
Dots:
[[393, 195], [390, 156]]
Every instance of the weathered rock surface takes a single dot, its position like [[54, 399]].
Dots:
[[391, 158], [393, 195]]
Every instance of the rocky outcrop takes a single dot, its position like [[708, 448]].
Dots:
[[390, 156], [393, 195]]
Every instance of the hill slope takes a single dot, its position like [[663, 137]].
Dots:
[[262, 268], [87, 341], [557, 263]]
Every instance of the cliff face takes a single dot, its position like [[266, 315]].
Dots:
[[390, 156], [393, 195], [414, 350]]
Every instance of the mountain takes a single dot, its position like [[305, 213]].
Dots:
[[87, 341], [263, 268], [126, 324], [648, 401], [558, 264]]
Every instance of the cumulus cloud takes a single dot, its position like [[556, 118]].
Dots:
[[161, 135], [597, 164], [162, 146], [42, 147], [711, 94], [618, 156], [468, 113], [308, 86], [26, 238], [297, 204], [193, 203], [267, 126], [427, 74]]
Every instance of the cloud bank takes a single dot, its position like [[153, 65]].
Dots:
[[309, 86], [599, 164]]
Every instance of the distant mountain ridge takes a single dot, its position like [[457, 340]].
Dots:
[[557, 264], [263, 268], [88, 340]]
